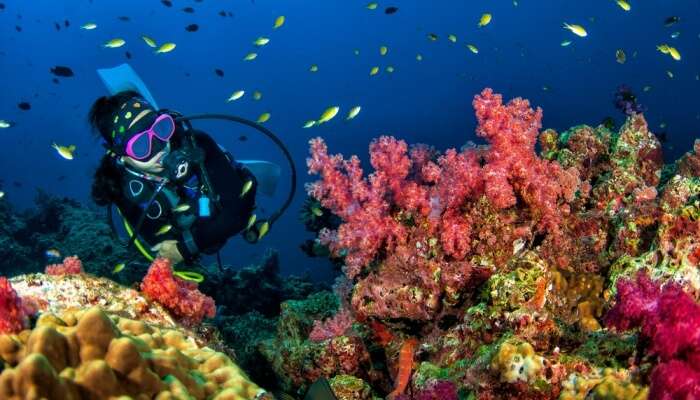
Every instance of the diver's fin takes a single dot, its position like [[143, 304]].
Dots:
[[123, 77], [266, 173], [320, 390]]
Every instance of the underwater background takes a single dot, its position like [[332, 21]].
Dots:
[[519, 54], [554, 263]]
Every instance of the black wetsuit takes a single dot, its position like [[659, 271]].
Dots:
[[194, 234]]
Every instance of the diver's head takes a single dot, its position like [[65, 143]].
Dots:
[[133, 130]]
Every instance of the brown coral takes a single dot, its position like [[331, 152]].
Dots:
[[91, 355]]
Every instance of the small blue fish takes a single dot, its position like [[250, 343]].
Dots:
[[52, 253]]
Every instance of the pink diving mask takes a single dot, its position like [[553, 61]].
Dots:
[[140, 145]]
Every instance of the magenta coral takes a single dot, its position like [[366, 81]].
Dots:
[[70, 266], [337, 325], [13, 314], [670, 320], [177, 295]]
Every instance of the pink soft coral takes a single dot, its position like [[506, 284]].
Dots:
[[13, 314], [422, 216], [337, 325], [179, 296], [670, 320], [70, 266]]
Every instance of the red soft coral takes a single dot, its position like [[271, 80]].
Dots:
[[70, 266], [337, 325], [670, 320], [179, 296], [13, 314]]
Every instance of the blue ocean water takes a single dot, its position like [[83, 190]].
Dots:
[[421, 101]]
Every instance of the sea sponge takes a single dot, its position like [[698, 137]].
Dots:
[[517, 361], [89, 354]]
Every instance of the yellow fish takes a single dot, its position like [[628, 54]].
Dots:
[[2, 194], [620, 56], [181, 208], [189, 276], [89, 26], [316, 211], [485, 19], [389, 69], [114, 43], [236, 95], [65, 151], [663, 48], [353, 112], [118, 268], [251, 221], [473, 48], [452, 38], [670, 74], [264, 228], [246, 188], [314, 68], [565, 43], [4, 124], [261, 41], [432, 37], [150, 42], [372, 6], [279, 21], [250, 57], [624, 5], [328, 114], [166, 48], [264, 117], [309, 124], [577, 30], [164, 229], [257, 95], [674, 53], [374, 71], [383, 50]]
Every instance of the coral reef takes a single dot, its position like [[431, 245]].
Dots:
[[177, 295], [501, 263], [67, 226], [13, 313], [70, 266], [669, 322], [90, 355], [258, 288]]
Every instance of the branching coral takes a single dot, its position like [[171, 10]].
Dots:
[[179, 296], [70, 266], [427, 218]]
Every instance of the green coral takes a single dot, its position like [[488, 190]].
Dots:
[[347, 387]]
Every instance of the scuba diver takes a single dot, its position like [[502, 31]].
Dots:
[[178, 192]]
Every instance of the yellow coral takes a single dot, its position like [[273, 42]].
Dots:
[[581, 292], [517, 362], [606, 384], [91, 355]]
